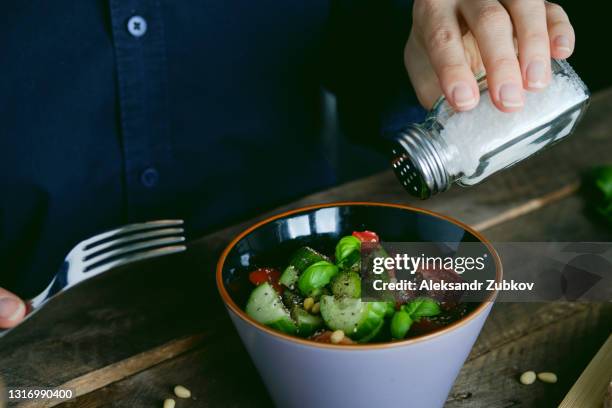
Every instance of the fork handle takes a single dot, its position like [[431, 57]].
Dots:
[[34, 304]]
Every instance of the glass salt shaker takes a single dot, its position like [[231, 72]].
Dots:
[[467, 147]]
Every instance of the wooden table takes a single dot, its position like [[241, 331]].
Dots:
[[125, 339]]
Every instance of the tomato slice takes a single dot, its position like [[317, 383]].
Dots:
[[261, 275], [366, 236]]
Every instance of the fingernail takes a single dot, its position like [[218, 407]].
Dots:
[[511, 96], [562, 43], [536, 74], [10, 309], [463, 97]]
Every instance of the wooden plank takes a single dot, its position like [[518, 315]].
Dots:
[[109, 374], [213, 382], [3, 396], [220, 374], [565, 221], [560, 336], [491, 379], [113, 321], [106, 321], [590, 389], [509, 322], [527, 207]]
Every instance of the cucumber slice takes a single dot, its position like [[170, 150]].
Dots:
[[304, 257], [266, 306], [300, 260], [291, 298], [372, 335], [289, 277], [357, 319], [347, 284], [307, 324]]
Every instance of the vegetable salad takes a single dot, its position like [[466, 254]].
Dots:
[[319, 297]]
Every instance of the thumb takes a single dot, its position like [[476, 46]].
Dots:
[[12, 309]]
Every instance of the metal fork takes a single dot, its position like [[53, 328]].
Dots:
[[108, 250]]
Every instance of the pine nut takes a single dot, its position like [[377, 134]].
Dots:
[[308, 303], [547, 377], [182, 392], [316, 308], [169, 403], [528, 377], [337, 336]]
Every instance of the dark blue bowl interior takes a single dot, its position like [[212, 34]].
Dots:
[[272, 244]]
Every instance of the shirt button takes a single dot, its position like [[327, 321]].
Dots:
[[149, 177], [137, 26]]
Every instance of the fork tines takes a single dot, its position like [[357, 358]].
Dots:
[[131, 243]]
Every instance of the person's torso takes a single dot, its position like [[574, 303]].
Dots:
[[210, 114]]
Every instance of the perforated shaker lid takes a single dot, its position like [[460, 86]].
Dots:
[[417, 163]]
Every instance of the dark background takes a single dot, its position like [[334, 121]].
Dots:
[[591, 21]]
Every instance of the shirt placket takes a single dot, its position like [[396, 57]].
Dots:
[[140, 57]]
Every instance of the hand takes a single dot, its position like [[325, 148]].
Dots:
[[451, 40], [12, 309]]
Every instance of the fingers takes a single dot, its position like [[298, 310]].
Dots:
[[12, 309], [422, 76], [542, 31], [529, 19], [491, 25], [441, 36], [560, 31]]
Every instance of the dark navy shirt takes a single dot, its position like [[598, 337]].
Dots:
[[115, 111]]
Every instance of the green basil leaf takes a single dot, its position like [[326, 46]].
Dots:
[[603, 180], [605, 209], [348, 251], [597, 188], [422, 307], [315, 277], [390, 308]]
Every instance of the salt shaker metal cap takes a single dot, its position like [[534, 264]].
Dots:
[[467, 147]]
